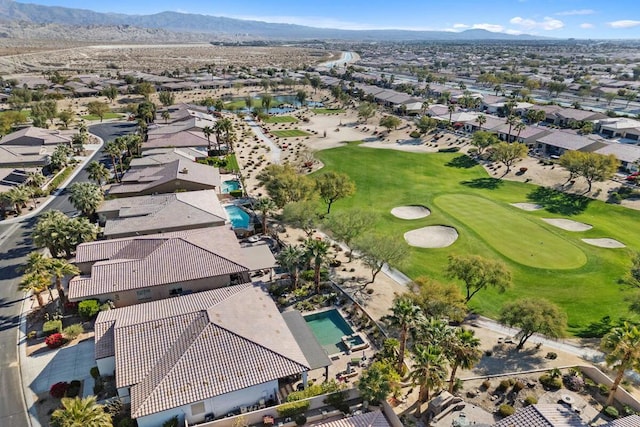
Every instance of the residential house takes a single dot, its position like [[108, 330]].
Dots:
[[134, 270], [141, 215], [30, 147], [162, 156], [200, 356], [558, 141], [179, 135], [557, 415], [619, 127], [529, 135], [567, 116], [178, 175]]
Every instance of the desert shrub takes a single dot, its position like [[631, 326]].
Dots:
[[611, 412], [95, 373], [71, 332], [32, 334], [519, 385], [574, 382], [504, 385], [52, 327], [449, 150], [301, 420], [54, 340], [415, 134], [550, 382], [291, 409], [530, 400], [88, 308], [523, 169], [603, 389], [506, 410], [551, 355], [58, 390], [486, 384], [74, 389]]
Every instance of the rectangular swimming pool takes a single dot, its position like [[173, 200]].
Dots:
[[329, 327], [238, 217]]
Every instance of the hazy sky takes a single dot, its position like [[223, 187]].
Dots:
[[614, 19]]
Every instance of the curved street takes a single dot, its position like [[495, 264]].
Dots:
[[15, 245]]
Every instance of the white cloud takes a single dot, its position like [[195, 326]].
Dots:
[[576, 12], [587, 25], [625, 23], [513, 32], [462, 26], [547, 23], [495, 28]]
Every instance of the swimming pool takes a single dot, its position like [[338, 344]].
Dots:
[[238, 217], [329, 327], [230, 185]]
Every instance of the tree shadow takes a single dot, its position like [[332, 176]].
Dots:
[[462, 162], [600, 328], [484, 183], [558, 202], [506, 359]]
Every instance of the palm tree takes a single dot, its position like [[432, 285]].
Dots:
[[622, 346], [50, 233], [481, 120], [266, 101], [291, 258], [451, 108], [316, 251], [18, 197], [78, 230], [59, 268], [429, 369], [512, 120], [36, 179], [36, 283], [405, 316], [519, 127], [166, 116], [301, 97], [86, 197], [36, 263], [113, 150], [80, 412], [463, 352], [98, 172], [223, 127], [266, 206], [207, 131]]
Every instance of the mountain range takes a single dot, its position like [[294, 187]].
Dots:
[[221, 28]]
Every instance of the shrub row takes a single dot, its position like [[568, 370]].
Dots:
[[59, 179], [291, 409]]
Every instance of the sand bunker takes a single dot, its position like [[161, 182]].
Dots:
[[605, 243], [410, 212], [527, 206], [567, 224], [437, 236]]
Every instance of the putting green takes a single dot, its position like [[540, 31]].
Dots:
[[510, 233]]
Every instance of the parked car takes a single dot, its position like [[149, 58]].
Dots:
[[633, 176]]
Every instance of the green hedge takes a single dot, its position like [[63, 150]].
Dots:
[[88, 308], [59, 179], [52, 327], [291, 409]]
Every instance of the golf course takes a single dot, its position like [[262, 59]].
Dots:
[[546, 261]]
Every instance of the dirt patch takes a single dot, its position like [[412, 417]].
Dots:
[[605, 243], [568, 224], [410, 212], [527, 206], [437, 236]]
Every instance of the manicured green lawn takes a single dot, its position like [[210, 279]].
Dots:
[[280, 119], [582, 279], [106, 116], [239, 104], [327, 110], [289, 133]]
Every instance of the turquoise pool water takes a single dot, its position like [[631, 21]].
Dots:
[[238, 217], [230, 185], [329, 327]]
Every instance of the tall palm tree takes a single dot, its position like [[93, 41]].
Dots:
[[98, 172], [512, 120], [50, 232], [519, 127], [266, 101], [86, 197], [59, 268], [622, 346], [166, 116], [36, 179], [113, 150], [18, 197], [481, 120], [78, 230], [429, 369], [292, 258], [405, 316], [80, 412], [316, 251], [208, 131], [451, 108], [36, 263], [36, 283], [266, 206], [223, 128], [462, 352]]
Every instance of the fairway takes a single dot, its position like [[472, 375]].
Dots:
[[280, 119], [289, 133], [327, 110], [509, 232]]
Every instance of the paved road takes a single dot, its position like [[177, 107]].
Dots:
[[15, 244]]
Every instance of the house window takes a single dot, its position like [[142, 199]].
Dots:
[[175, 291], [197, 408], [144, 294]]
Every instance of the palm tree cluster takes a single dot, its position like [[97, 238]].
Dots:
[[40, 271], [312, 254], [433, 344], [120, 148], [61, 234], [17, 197]]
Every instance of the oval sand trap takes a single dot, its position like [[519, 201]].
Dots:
[[410, 212], [527, 206], [568, 224], [605, 243], [437, 236]]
